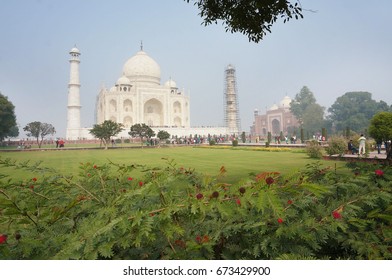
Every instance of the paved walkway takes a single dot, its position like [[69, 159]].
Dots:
[[371, 155]]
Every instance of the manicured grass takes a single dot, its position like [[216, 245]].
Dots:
[[239, 163]]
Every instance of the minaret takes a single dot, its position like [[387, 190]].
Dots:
[[232, 115], [73, 118]]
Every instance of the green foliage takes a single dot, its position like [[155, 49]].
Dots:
[[234, 143], [7, 117], [336, 146], [141, 130], [212, 142], [354, 110], [175, 213], [381, 129], [106, 130], [307, 111], [314, 149], [163, 135], [39, 130], [252, 18]]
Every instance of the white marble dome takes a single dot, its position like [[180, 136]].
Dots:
[[123, 80], [143, 69], [274, 107], [285, 103], [170, 83]]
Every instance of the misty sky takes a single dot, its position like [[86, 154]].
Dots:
[[339, 46]]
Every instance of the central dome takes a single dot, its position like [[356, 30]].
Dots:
[[141, 68]]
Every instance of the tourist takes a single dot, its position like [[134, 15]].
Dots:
[[378, 144], [362, 143], [352, 148]]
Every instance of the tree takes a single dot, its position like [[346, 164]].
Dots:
[[253, 18], [301, 101], [7, 117], [39, 130], [142, 131], [354, 110], [381, 129], [163, 135], [106, 130], [305, 108]]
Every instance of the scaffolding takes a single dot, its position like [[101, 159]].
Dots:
[[231, 108]]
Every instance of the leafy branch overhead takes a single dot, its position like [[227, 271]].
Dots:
[[251, 18]]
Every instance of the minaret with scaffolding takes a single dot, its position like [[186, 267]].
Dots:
[[232, 114]]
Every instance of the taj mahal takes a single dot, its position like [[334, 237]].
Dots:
[[137, 97]]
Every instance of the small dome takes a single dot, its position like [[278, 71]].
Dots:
[[274, 107], [123, 81], [113, 89], [143, 69], [171, 83], [74, 50], [285, 103]]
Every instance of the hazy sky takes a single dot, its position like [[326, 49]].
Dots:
[[343, 46]]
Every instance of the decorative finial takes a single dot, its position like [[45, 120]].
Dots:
[[141, 45]]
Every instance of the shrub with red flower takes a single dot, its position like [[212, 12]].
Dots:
[[379, 173], [280, 220], [130, 178], [336, 215], [269, 180], [3, 238], [215, 194]]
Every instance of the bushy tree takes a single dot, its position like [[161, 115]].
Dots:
[[305, 108], [7, 118], [141, 130], [39, 131], [252, 18], [381, 129], [106, 130], [354, 110], [163, 135]]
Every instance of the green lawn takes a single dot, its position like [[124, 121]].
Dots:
[[238, 162]]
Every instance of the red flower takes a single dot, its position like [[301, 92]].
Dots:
[[130, 178], [180, 243], [269, 180], [140, 183], [238, 202], [215, 194], [289, 201], [3, 238], [32, 187], [379, 172], [242, 190], [151, 214], [280, 220], [34, 179], [198, 239], [95, 166], [336, 215], [199, 196]]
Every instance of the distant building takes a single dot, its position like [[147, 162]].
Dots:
[[277, 119]]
